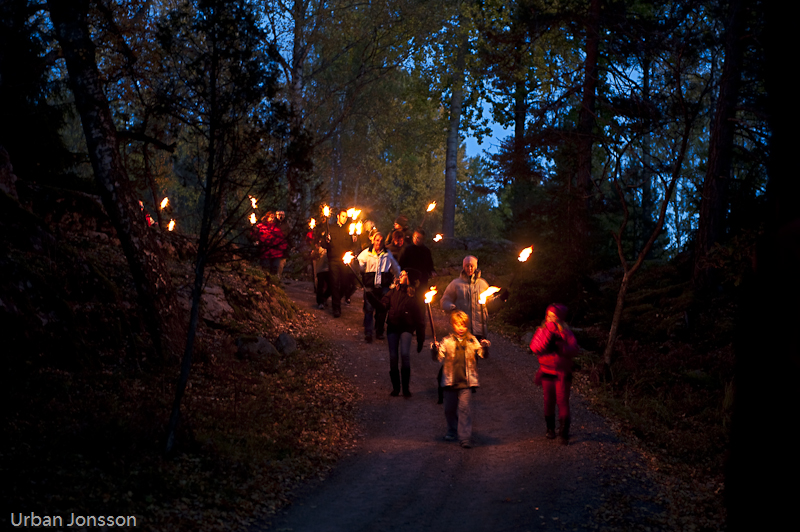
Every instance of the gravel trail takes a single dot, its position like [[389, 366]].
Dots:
[[403, 476]]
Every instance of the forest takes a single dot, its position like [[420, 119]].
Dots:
[[645, 162]]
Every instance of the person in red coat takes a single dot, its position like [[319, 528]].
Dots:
[[555, 346]]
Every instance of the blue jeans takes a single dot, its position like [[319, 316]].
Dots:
[[374, 319], [399, 344]]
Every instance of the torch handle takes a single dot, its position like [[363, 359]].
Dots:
[[433, 329], [358, 278]]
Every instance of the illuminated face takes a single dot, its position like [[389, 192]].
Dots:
[[342, 217], [470, 265], [403, 279], [551, 317], [418, 239], [270, 218], [280, 215], [377, 242], [459, 328]]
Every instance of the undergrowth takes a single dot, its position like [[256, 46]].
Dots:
[[88, 403]]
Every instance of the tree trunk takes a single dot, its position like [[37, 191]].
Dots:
[[152, 280], [211, 208], [662, 215], [714, 202], [453, 142]]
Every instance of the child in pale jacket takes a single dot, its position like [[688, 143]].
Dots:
[[458, 354]]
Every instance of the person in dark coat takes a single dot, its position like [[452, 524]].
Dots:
[[418, 257], [339, 241], [403, 317], [555, 346]]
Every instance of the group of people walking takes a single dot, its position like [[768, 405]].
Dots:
[[394, 272]]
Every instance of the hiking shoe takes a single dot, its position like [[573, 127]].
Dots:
[[449, 437], [379, 336], [466, 444], [321, 306], [368, 338], [337, 313]]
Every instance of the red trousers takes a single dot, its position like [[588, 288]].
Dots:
[[556, 391]]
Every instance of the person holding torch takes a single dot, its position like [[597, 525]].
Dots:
[[378, 271], [463, 293], [338, 242], [403, 318]]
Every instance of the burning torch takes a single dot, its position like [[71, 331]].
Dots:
[[431, 206], [482, 300], [326, 212], [438, 237], [525, 254], [348, 259], [428, 298]]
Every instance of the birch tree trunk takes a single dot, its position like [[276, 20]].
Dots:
[[152, 280], [454, 141]]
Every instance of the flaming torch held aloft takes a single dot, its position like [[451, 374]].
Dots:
[[253, 218], [312, 223], [326, 212], [438, 237], [253, 202], [348, 259], [525, 254], [428, 298], [431, 206], [482, 300], [164, 204], [171, 225]]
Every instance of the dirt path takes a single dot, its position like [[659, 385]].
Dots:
[[403, 476]]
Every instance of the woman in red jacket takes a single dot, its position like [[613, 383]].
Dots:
[[555, 346]]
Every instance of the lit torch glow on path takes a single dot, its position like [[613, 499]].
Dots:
[[525, 254]]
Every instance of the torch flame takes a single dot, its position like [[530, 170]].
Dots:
[[164, 203], [486, 293], [253, 201], [171, 225], [429, 295], [253, 218], [431, 206], [312, 223], [352, 228], [326, 211], [353, 213], [348, 257], [525, 253], [438, 237]]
